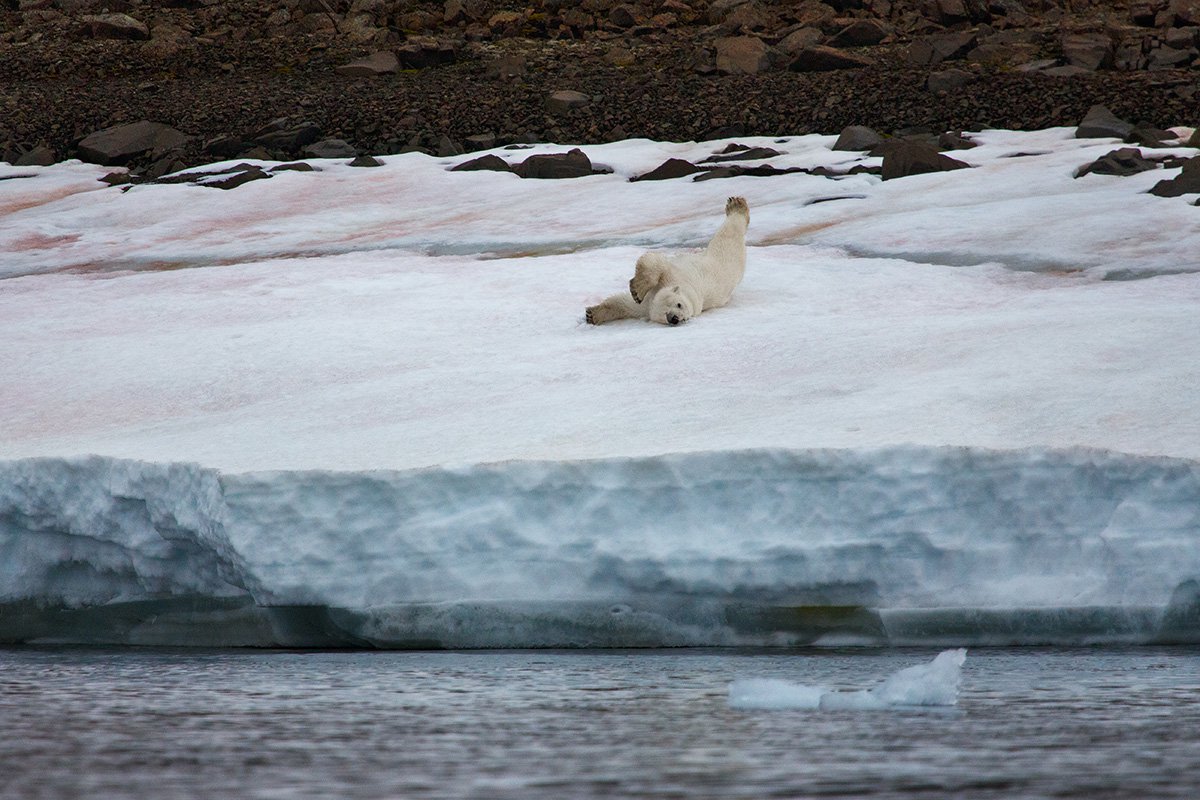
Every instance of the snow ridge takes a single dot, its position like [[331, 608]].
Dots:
[[949, 545]]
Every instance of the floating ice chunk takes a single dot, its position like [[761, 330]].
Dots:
[[932, 684], [773, 694]]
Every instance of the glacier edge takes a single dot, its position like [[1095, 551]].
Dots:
[[911, 545]]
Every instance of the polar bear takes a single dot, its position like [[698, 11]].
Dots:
[[671, 290]]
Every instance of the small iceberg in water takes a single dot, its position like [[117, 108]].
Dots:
[[932, 684]]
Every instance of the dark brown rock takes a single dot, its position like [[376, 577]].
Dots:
[[1186, 182], [1124, 161], [948, 80], [742, 55], [382, 63], [123, 143], [669, 169], [238, 179], [827, 59], [565, 100], [331, 148], [933, 50], [490, 162], [857, 138], [115, 26], [1091, 51], [291, 138], [861, 33], [903, 159], [572, 164], [1100, 123], [365, 161], [746, 154], [40, 156]]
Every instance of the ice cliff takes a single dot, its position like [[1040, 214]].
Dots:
[[952, 546]]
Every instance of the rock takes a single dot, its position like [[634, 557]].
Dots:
[[746, 154], [572, 164], [623, 16], [40, 156], [1100, 123], [1066, 71], [1194, 139], [1181, 38], [117, 178], [365, 161], [1038, 65], [290, 138], [861, 33], [747, 17], [1125, 161], [1187, 182], [382, 63], [423, 51], [1091, 51], [857, 138], [740, 170], [123, 143], [903, 159], [480, 141], [669, 169], [565, 100], [115, 26], [225, 146], [827, 59], [948, 80], [742, 55], [953, 140], [1184, 12], [331, 148], [507, 66], [1170, 58], [239, 179], [796, 41], [488, 162], [447, 147], [933, 50], [294, 166], [718, 10]]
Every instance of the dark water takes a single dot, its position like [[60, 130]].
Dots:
[[1088, 723]]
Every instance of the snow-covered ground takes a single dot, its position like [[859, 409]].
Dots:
[[371, 391]]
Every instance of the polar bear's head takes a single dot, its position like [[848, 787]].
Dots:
[[671, 306]]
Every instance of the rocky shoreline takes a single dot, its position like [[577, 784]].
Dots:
[[293, 78]]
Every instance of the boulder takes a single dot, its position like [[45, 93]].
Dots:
[[1091, 51], [115, 26], [293, 137], [123, 143], [572, 164], [861, 33], [488, 162], [382, 63], [1184, 12], [365, 161], [331, 148], [796, 41], [745, 154], [1124, 161], [1100, 123], [294, 166], [826, 59], [742, 55], [566, 100], [1186, 182], [40, 156], [424, 51], [238, 179], [857, 138], [933, 50], [740, 170], [671, 168], [948, 80], [903, 159]]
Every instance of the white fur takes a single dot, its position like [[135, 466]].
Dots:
[[673, 289]]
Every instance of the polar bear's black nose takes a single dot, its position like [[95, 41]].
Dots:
[[674, 320]]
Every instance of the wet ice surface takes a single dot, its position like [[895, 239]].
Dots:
[[1090, 723]]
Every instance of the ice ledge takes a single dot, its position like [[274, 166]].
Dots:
[[903, 545]]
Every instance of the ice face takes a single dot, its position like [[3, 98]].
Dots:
[[932, 684]]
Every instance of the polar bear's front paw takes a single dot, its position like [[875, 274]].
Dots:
[[590, 315], [640, 286]]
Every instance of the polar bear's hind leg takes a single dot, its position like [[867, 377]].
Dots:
[[619, 306], [652, 271]]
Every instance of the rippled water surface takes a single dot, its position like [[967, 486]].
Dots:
[[1091, 723]]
